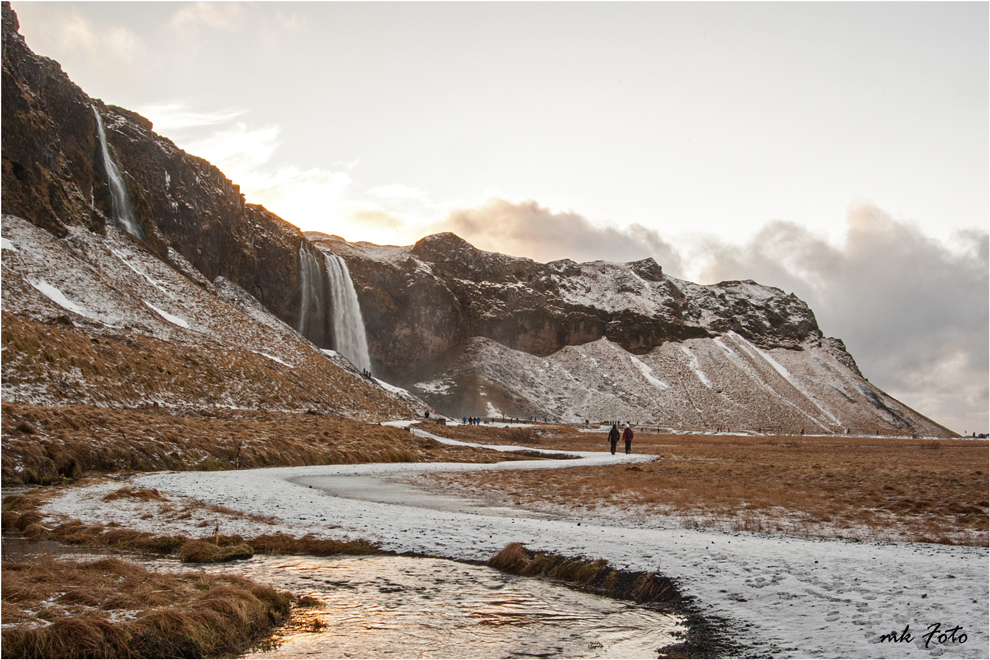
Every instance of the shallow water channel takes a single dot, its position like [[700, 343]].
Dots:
[[379, 607]]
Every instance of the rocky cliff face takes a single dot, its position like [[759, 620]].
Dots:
[[53, 176], [422, 302], [196, 309], [477, 333]]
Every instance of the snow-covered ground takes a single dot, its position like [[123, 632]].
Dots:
[[789, 597]]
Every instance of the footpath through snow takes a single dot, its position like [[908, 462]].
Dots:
[[788, 597]]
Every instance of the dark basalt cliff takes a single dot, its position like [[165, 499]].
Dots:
[[53, 176], [422, 304]]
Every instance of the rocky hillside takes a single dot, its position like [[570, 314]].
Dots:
[[54, 175], [194, 309], [98, 320], [479, 333]]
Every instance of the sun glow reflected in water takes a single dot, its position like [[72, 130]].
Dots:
[[406, 607]]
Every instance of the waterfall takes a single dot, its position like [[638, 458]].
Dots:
[[348, 325], [312, 294], [120, 203]]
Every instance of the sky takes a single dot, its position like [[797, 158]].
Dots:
[[837, 150]]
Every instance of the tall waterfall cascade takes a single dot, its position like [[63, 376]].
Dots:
[[120, 202], [312, 292], [348, 324]]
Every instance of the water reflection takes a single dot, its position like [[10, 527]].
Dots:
[[383, 607], [405, 607]]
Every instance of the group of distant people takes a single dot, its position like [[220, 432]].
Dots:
[[471, 420], [626, 434]]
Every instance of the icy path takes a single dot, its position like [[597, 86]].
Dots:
[[788, 597]]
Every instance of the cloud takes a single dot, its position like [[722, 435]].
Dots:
[[226, 16], [528, 229], [106, 46], [310, 199], [277, 27], [288, 23], [237, 151], [399, 191], [912, 310], [377, 218], [173, 117]]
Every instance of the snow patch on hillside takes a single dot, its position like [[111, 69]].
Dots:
[[171, 318], [57, 297], [648, 374], [693, 365]]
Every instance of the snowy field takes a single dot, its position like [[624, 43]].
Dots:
[[786, 597]]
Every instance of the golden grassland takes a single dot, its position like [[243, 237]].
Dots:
[[116, 609], [51, 444], [68, 365], [876, 488]]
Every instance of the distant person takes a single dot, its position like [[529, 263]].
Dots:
[[464, 420], [627, 435], [613, 437]]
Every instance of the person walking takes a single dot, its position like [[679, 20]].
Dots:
[[627, 435], [613, 437]]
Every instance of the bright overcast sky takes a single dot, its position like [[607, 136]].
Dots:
[[700, 133]]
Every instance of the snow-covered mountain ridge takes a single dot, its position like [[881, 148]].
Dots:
[[484, 334]]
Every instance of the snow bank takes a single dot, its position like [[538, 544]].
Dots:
[[783, 597]]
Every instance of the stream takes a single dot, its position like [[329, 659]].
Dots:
[[422, 607]]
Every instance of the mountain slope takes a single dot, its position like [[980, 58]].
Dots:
[[98, 320], [55, 175], [477, 333]]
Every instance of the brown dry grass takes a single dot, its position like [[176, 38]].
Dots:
[[597, 575], [143, 494], [206, 552], [66, 365], [115, 609], [889, 488], [47, 444]]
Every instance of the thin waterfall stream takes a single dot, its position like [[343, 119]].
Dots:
[[120, 201]]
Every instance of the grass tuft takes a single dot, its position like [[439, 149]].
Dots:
[[596, 576], [204, 552]]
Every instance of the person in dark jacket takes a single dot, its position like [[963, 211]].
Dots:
[[627, 435], [613, 437]]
